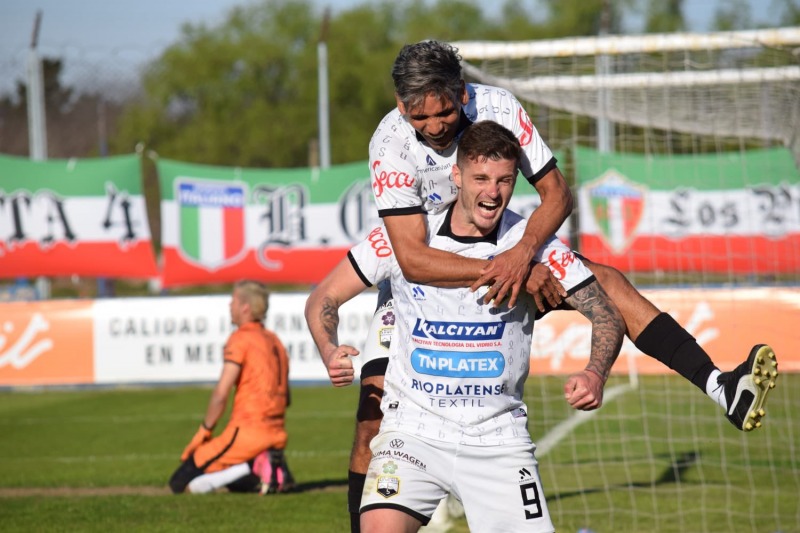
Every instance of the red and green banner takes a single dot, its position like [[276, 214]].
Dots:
[[720, 213], [84, 217], [221, 224]]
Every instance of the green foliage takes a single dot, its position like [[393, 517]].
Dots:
[[244, 93]]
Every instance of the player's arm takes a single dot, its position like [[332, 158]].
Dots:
[[221, 393], [584, 390], [322, 317], [423, 264], [508, 272], [216, 407]]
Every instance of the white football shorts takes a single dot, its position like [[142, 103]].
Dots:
[[499, 486], [375, 355]]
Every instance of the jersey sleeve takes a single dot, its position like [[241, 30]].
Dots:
[[537, 158], [393, 172], [373, 258], [565, 265], [234, 350]]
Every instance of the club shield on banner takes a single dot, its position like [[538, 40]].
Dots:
[[715, 213], [211, 219]]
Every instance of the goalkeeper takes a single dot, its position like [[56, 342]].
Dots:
[[247, 456], [411, 154]]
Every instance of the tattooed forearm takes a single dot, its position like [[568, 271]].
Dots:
[[329, 318], [608, 326]]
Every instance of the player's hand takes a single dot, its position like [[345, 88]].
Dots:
[[203, 435], [505, 275], [544, 286], [584, 390], [340, 366]]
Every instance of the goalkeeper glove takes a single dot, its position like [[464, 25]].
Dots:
[[203, 435]]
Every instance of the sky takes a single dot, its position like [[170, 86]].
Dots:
[[131, 32]]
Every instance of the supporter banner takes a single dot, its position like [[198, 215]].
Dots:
[[65, 217], [180, 339], [281, 226], [712, 213], [286, 226]]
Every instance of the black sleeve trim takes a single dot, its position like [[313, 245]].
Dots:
[[358, 270], [375, 367], [591, 279], [550, 165], [421, 517], [564, 306], [417, 209]]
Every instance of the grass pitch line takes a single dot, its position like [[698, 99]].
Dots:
[[565, 427]]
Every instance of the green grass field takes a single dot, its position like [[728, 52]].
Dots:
[[659, 458]]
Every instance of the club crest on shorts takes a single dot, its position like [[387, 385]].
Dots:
[[388, 486]]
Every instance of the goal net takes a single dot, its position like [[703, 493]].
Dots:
[[683, 152]]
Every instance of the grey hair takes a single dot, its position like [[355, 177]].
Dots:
[[427, 67]]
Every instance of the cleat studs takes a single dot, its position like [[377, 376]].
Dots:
[[761, 412], [756, 371], [748, 426], [752, 414], [760, 360], [771, 384], [774, 373], [758, 381]]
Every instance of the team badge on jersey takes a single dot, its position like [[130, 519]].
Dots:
[[388, 486]]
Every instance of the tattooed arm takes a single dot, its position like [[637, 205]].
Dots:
[[584, 390], [322, 318]]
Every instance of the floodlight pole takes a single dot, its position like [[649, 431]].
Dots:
[[37, 129], [323, 104]]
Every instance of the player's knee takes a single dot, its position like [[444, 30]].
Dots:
[[184, 475], [611, 279]]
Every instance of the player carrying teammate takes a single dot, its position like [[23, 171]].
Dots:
[[454, 420]]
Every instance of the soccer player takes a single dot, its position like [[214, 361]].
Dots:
[[454, 420], [248, 454], [411, 155]]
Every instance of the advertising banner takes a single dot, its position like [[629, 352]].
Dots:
[[62, 217], [180, 339], [723, 213]]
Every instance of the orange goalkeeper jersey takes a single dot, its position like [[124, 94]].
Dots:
[[262, 392]]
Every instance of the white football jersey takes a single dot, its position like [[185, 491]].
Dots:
[[409, 176], [457, 367]]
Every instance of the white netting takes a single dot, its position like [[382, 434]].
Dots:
[[734, 84]]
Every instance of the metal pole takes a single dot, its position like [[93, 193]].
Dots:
[[605, 128], [37, 128], [323, 105]]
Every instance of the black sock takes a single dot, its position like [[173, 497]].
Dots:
[[666, 340], [355, 486]]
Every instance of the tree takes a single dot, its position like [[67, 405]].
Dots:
[[664, 16]]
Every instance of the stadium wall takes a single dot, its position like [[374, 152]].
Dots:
[[179, 339]]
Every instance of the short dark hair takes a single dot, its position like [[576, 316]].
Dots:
[[490, 140], [427, 67]]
